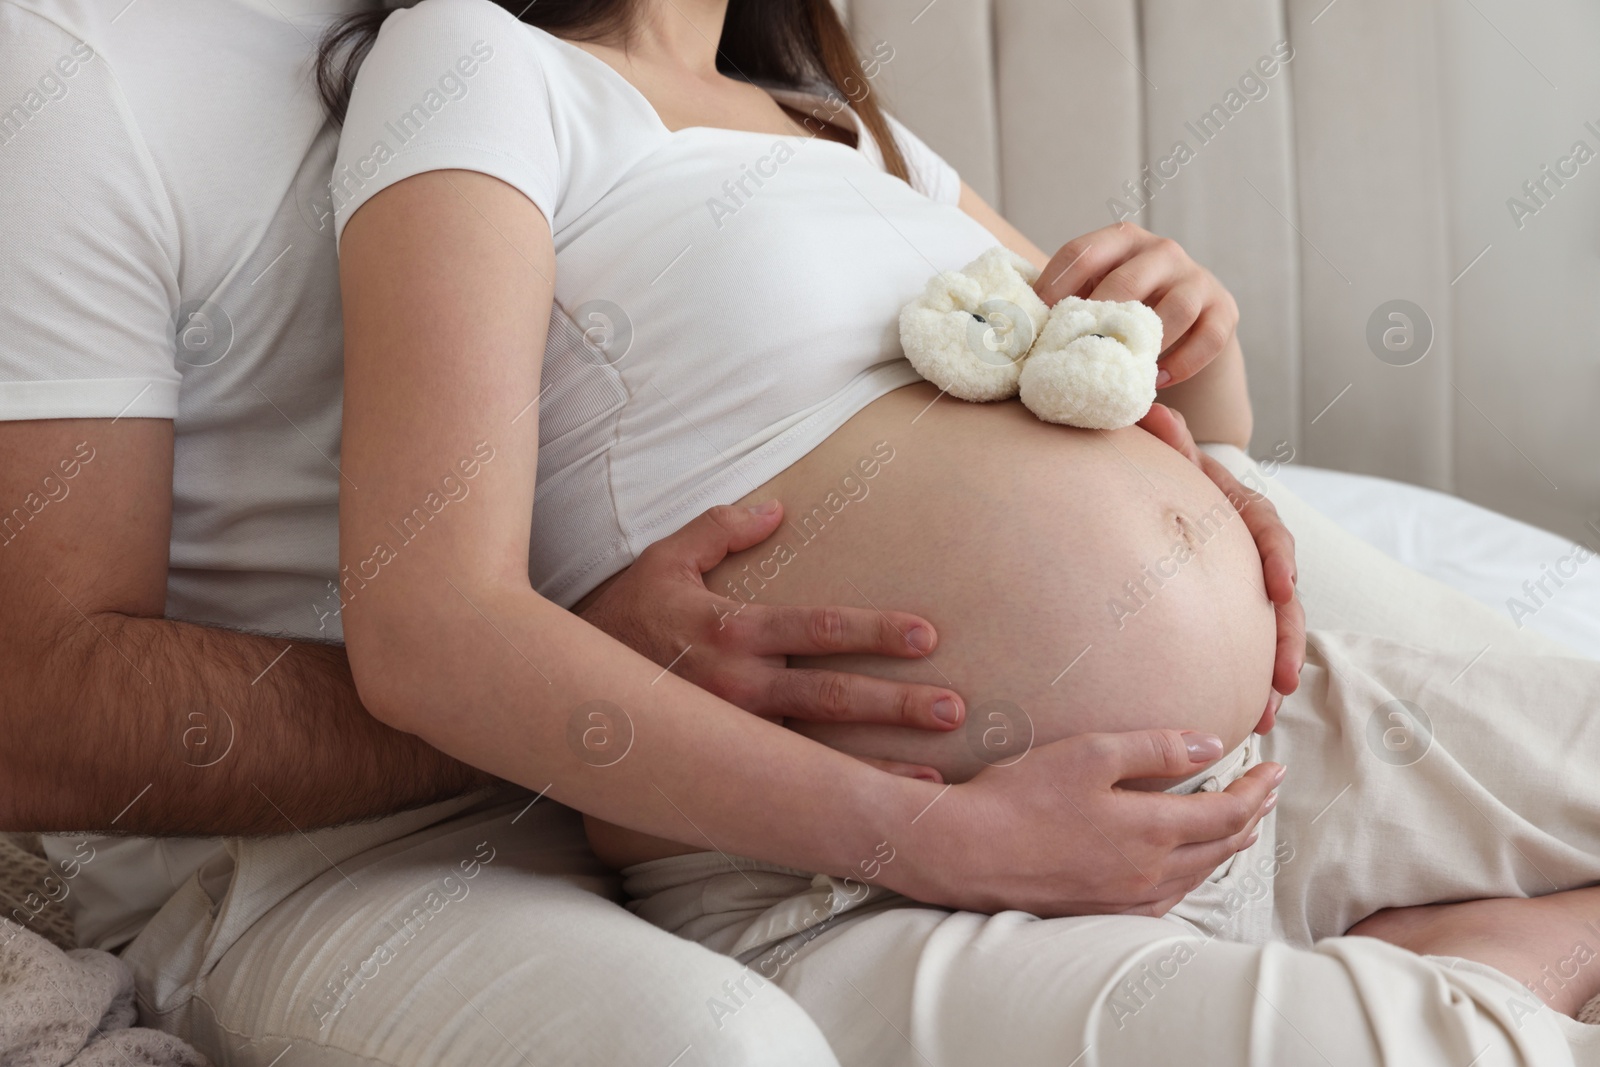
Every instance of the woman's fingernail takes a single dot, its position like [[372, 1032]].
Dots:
[[947, 710], [1162, 378], [1272, 802], [920, 639], [1277, 775], [1255, 835], [1202, 747], [764, 509]]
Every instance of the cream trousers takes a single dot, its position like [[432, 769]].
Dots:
[[481, 931]]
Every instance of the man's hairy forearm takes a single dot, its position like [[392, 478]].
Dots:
[[131, 725]]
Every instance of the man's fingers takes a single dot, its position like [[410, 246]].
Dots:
[[834, 696], [709, 538], [786, 630]]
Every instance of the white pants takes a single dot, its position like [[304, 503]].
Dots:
[[315, 943], [489, 936]]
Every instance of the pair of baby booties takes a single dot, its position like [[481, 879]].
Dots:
[[982, 334]]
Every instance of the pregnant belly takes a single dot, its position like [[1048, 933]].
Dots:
[[1080, 581]]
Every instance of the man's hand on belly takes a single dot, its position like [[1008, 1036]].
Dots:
[[661, 608], [1273, 541]]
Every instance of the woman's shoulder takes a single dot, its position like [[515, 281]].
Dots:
[[530, 67], [432, 27], [462, 84], [446, 15]]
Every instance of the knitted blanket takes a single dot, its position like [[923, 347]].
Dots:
[[74, 1008]]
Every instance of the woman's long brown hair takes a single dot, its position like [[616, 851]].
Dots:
[[789, 42]]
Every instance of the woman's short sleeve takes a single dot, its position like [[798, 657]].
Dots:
[[931, 175], [449, 85]]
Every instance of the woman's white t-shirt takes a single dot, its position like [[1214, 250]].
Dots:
[[725, 299]]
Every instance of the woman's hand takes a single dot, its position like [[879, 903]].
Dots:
[[661, 608], [1273, 541], [1125, 262], [1053, 833]]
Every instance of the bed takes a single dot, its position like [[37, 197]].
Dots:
[[1477, 551]]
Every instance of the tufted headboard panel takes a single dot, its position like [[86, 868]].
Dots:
[[1382, 159]]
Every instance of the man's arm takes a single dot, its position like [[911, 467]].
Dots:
[[114, 719]]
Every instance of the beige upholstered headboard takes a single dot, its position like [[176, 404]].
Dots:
[[1384, 161]]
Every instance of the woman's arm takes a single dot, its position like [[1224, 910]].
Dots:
[[447, 281], [1124, 262], [447, 295]]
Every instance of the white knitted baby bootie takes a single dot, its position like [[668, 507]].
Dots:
[[1094, 365], [970, 330]]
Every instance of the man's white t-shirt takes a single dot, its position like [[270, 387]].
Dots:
[[168, 253]]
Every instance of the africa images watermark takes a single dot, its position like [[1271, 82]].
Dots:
[[54, 888], [1139, 986], [1541, 189], [845, 894], [347, 181], [1555, 977], [737, 191], [453, 489], [1253, 85], [50, 88], [807, 526], [338, 991], [1194, 536], [53, 489], [1537, 592]]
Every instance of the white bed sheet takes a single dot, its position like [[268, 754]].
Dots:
[[1480, 552]]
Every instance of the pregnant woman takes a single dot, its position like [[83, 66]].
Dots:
[[609, 284]]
